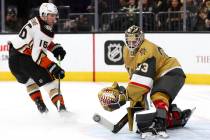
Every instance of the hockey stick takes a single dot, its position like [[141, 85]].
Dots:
[[59, 83], [59, 79], [114, 128]]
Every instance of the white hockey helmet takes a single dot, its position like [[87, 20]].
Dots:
[[48, 8]]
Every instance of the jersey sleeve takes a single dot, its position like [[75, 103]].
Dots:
[[142, 79]]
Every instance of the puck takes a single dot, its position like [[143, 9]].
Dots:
[[96, 118]]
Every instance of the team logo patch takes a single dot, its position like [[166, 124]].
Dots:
[[114, 52], [142, 51]]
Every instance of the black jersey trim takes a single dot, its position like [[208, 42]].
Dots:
[[150, 70], [43, 28]]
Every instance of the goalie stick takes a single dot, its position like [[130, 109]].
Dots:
[[128, 117], [114, 128]]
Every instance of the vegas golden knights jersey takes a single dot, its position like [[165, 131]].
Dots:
[[149, 63]]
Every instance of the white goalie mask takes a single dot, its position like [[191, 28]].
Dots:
[[47, 8], [134, 37]]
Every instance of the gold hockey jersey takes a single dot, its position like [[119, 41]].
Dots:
[[149, 63]]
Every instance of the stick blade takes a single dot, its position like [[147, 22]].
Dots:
[[103, 121]]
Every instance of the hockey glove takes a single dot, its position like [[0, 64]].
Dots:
[[59, 51], [56, 71], [112, 98]]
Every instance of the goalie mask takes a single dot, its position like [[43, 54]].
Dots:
[[134, 37]]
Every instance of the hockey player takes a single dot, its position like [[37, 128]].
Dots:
[[152, 72], [28, 59]]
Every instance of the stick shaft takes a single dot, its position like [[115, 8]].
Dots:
[[59, 79]]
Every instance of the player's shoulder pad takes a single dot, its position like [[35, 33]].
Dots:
[[45, 28], [147, 49], [34, 21], [146, 43], [150, 45]]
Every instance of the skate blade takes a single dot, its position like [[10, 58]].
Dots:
[[151, 136], [163, 134], [146, 135], [65, 113]]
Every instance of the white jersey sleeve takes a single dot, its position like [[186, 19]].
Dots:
[[34, 39]]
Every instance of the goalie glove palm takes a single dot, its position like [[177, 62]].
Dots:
[[112, 98]]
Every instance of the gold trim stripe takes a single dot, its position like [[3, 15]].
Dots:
[[111, 77]]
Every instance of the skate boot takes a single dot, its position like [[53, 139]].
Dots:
[[178, 118], [161, 118], [60, 107], [185, 115], [156, 129], [160, 127], [146, 132], [59, 103], [62, 110], [41, 106]]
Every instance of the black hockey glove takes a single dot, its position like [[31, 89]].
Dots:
[[56, 71], [59, 51]]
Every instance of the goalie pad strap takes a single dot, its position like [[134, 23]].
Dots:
[[144, 120], [161, 113]]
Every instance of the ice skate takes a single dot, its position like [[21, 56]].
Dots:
[[41, 106]]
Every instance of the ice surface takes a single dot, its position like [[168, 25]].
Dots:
[[19, 118]]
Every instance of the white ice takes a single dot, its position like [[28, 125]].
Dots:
[[19, 118]]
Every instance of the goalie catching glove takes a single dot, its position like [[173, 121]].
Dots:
[[112, 98]]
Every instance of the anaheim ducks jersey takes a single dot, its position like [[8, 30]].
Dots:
[[149, 63], [34, 39]]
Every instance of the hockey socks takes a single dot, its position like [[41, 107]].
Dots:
[[59, 102], [37, 98]]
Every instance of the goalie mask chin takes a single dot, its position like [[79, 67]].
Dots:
[[134, 37]]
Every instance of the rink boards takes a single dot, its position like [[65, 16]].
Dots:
[[98, 57]]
